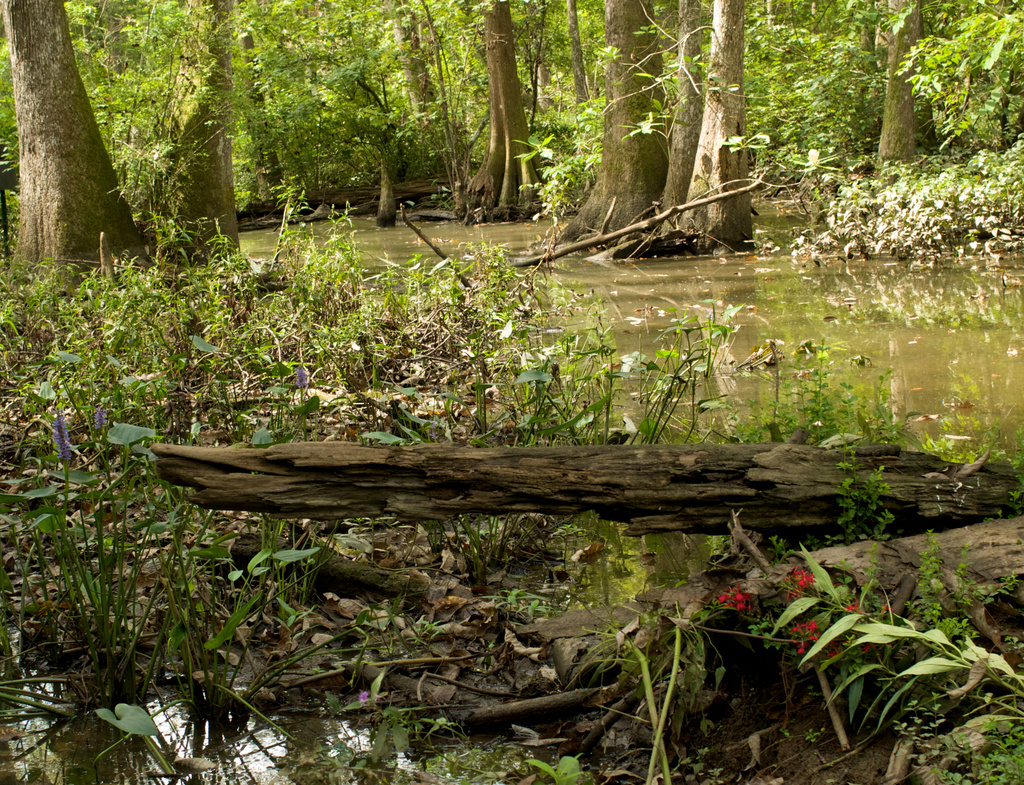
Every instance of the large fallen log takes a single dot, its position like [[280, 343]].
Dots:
[[654, 488]]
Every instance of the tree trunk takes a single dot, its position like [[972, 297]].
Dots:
[[655, 488], [727, 223], [202, 191], [898, 123], [505, 178], [686, 125], [579, 70], [264, 155], [417, 78], [69, 192], [634, 160], [386, 211]]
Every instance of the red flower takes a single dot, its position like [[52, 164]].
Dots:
[[734, 598], [804, 634], [799, 580]]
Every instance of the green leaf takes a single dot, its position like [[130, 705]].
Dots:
[[126, 434], [41, 493], [203, 346], [46, 392], [534, 375], [290, 556], [133, 720], [68, 357], [854, 694], [821, 577], [383, 438], [310, 405], [230, 625], [259, 557], [76, 476], [839, 628], [798, 606], [262, 438], [933, 665], [213, 552]]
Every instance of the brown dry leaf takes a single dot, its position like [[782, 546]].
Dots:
[[589, 554], [534, 652], [629, 629], [320, 638], [442, 694]]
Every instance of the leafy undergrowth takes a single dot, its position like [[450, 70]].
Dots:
[[929, 209], [117, 589]]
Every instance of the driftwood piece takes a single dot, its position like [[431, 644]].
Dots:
[[605, 238], [654, 488]]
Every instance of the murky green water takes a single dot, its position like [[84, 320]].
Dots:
[[953, 335]]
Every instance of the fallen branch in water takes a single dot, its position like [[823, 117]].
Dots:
[[641, 226]]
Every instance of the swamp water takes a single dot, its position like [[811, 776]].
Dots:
[[953, 337]]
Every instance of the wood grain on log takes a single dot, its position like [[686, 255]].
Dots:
[[654, 488]]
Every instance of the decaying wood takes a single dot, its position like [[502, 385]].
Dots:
[[654, 488], [341, 575], [606, 238], [531, 708]]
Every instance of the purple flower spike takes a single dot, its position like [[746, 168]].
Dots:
[[301, 378], [99, 418], [364, 698], [61, 438]]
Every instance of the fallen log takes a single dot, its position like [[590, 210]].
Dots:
[[653, 488], [605, 238]]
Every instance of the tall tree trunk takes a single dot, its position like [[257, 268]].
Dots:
[[264, 155], [69, 192], [634, 163], [717, 167], [386, 211], [505, 178], [898, 122], [686, 124], [579, 70], [202, 188], [418, 89]]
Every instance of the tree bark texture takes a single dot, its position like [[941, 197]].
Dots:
[[505, 178], [69, 192], [579, 70], [634, 162], [404, 31], [727, 223], [202, 190], [897, 141], [686, 124], [654, 488]]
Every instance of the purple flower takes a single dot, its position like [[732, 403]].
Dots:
[[364, 698], [61, 438], [301, 378], [99, 418]]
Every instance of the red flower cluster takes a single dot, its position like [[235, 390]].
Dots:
[[734, 598], [799, 580], [804, 635]]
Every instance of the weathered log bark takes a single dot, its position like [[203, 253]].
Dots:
[[654, 488]]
